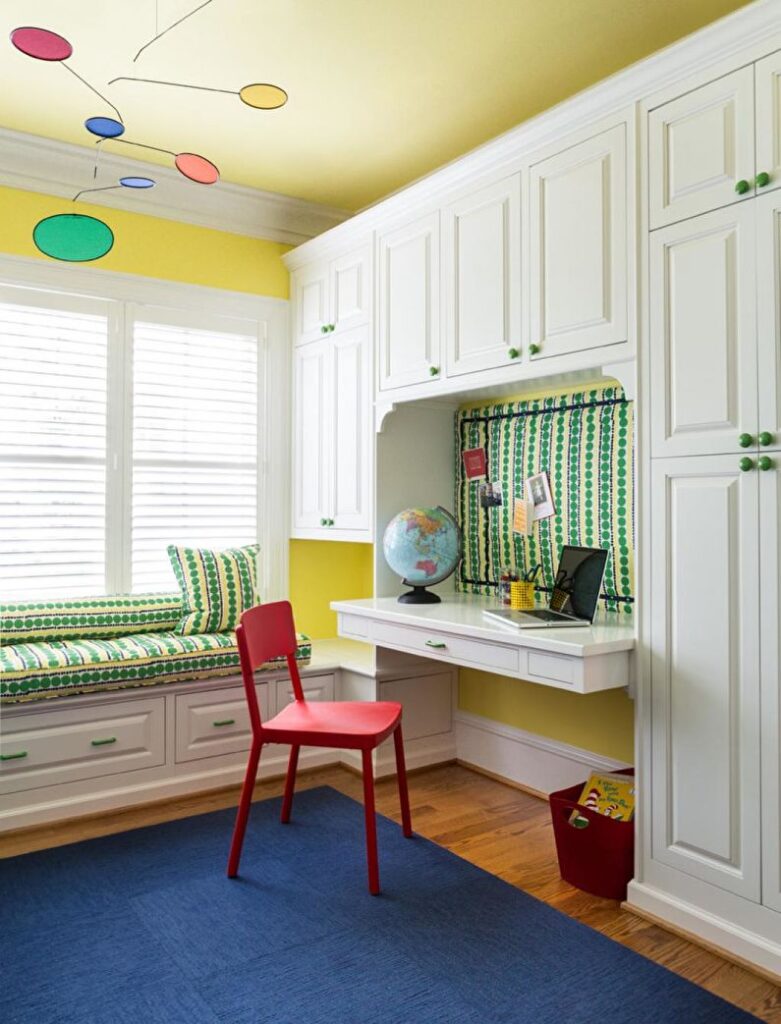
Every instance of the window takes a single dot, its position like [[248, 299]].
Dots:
[[53, 386], [125, 427]]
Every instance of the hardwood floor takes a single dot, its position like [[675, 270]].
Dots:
[[501, 829]]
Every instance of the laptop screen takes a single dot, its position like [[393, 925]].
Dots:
[[578, 581]]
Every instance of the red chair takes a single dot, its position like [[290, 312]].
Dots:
[[268, 632]]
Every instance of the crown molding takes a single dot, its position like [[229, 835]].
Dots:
[[744, 36], [37, 164]]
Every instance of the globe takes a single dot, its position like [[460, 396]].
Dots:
[[422, 545]]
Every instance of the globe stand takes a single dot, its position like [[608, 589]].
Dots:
[[418, 595]]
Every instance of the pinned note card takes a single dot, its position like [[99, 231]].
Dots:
[[474, 463], [523, 516]]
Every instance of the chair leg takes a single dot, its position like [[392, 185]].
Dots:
[[243, 813], [371, 823], [401, 777], [290, 784]]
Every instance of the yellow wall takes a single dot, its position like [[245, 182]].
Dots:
[[325, 571], [154, 247]]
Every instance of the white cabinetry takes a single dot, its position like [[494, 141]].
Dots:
[[705, 674], [481, 249], [333, 450], [578, 247], [408, 304], [770, 652], [768, 281], [332, 296], [767, 74]]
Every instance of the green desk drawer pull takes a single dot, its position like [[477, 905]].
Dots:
[[223, 721], [742, 186], [13, 757], [105, 742], [438, 644], [762, 179]]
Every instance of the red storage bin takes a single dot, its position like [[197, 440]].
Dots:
[[598, 858]]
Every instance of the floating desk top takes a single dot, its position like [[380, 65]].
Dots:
[[578, 658]]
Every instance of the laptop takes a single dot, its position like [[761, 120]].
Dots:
[[573, 601]]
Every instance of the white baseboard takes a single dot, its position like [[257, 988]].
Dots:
[[525, 758], [714, 932]]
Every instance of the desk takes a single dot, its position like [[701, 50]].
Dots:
[[579, 659]]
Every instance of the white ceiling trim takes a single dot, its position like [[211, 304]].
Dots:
[[37, 164]]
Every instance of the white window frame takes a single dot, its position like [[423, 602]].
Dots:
[[140, 297]]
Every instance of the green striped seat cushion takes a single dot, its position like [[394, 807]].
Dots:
[[48, 668], [99, 617], [217, 586]]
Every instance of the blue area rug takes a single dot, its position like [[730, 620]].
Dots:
[[144, 928]]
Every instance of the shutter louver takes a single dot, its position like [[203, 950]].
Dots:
[[53, 390], [195, 443]]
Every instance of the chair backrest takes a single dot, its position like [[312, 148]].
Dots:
[[265, 632]]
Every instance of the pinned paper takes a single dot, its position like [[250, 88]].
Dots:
[[474, 463], [523, 516], [538, 491]]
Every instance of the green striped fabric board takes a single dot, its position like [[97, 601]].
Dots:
[[584, 440]]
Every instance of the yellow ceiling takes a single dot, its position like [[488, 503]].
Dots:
[[380, 93]]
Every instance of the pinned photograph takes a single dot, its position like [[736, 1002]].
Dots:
[[490, 495], [538, 492]]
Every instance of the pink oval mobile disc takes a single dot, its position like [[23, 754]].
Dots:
[[41, 43], [197, 168]]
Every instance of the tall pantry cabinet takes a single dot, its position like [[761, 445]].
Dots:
[[713, 765]]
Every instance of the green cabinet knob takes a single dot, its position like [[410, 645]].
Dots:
[[513, 353], [745, 440], [746, 463], [742, 186], [324, 522], [433, 370], [332, 327], [534, 349], [762, 179], [765, 462], [765, 438], [324, 329]]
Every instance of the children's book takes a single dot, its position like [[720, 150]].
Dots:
[[609, 794]]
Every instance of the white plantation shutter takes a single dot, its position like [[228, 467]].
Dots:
[[53, 440], [194, 440]]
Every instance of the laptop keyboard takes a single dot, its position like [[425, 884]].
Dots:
[[547, 616]]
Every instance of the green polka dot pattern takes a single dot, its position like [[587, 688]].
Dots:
[[584, 441], [217, 586], [89, 617]]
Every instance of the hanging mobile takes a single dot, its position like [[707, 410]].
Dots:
[[260, 95]]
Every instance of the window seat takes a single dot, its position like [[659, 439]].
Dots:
[[108, 643]]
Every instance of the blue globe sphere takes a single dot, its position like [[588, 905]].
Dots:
[[424, 546]]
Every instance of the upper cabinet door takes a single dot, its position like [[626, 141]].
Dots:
[[768, 100], [409, 341], [578, 247], [700, 146], [310, 302], [350, 288], [481, 242], [703, 344], [351, 430], [768, 215], [311, 436], [705, 714]]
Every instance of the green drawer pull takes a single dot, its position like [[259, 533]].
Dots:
[[742, 186], [439, 644], [433, 370], [13, 757], [104, 743], [223, 721], [762, 179], [534, 349], [513, 353]]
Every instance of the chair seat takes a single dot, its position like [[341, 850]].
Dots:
[[355, 724]]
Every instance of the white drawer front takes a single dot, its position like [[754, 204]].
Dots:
[[315, 688], [554, 669], [46, 748], [216, 722], [458, 649]]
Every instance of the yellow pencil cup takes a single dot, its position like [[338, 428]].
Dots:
[[521, 595]]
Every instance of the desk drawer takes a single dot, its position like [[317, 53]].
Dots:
[[215, 722], [554, 669], [462, 650], [70, 744], [315, 688]]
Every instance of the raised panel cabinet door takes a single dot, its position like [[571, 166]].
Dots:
[[311, 436], [409, 341], [705, 716], [770, 653], [310, 302], [350, 287], [700, 146], [767, 80], [481, 244], [352, 436], [703, 344], [578, 247], [768, 224]]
